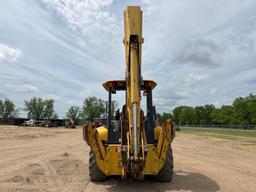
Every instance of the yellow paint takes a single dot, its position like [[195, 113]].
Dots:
[[111, 162], [157, 131], [103, 133]]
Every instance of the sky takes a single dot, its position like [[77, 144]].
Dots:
[[198, 51]]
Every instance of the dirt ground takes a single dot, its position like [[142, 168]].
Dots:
[[56, 159]]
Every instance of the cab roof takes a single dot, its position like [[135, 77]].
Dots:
[[120, 85]]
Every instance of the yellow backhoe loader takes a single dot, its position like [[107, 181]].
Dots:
[[132, 145]]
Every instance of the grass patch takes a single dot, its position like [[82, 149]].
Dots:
[[250, 142], [222, 133]]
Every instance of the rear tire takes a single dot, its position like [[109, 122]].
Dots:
[[166, 173], [94, 172]]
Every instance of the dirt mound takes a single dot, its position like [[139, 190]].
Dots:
[[20, 179], [32, 136], [65, 154], [44, 135], [35, 169], [27, 136], [67, 166]]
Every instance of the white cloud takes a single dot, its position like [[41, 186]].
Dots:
[[86, 93], [20, 88], [213, 91], [192, 78], [9, 54], [217, 104], [199, 52], [171, 96], [89, 18], [149, 6], [2, 95], [52, 96], [26, 88]]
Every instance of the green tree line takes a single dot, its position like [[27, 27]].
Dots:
[[38, 108], [241, 112]]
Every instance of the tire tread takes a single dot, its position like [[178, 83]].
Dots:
[[94, 172]]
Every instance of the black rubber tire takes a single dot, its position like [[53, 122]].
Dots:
[[166, 173], [94, 172]]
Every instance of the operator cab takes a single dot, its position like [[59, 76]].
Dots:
[[114, 126]]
